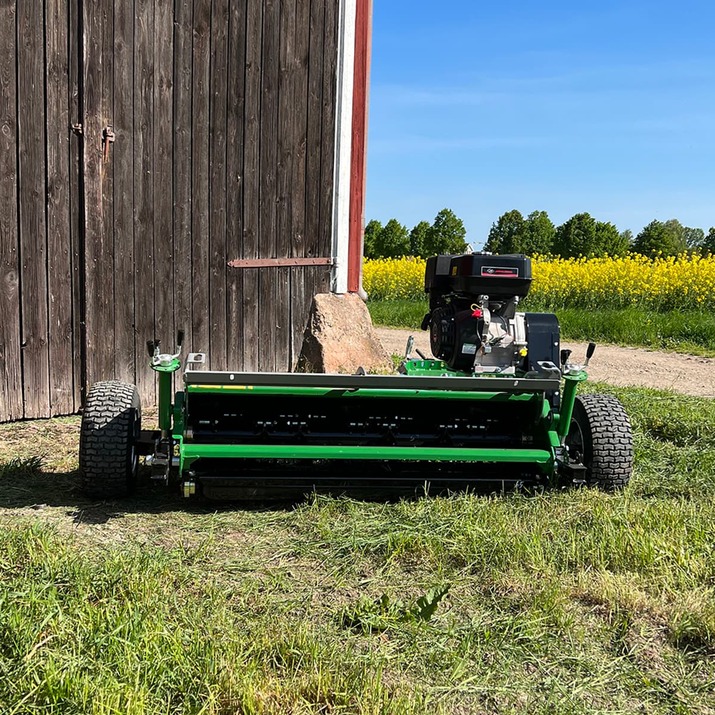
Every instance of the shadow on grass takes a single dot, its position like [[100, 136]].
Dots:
[[24, 484]]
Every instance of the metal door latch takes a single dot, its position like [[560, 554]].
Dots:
[[108, 137]]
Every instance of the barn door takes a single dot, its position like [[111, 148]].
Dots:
[[127, 103]]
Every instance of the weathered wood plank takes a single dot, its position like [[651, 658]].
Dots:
[[251, 182], [76, 202], [122, 156], [183, 52], [298, 173], [234, 182], [58, 217], [217, 183], [11, 407], [99, 243], [31, 219], [286, 192], [200, 173], [163, 221], [268, 293], [313, 193], [143, 167], [330, 58]]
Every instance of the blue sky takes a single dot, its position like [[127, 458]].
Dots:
[[481, 107]]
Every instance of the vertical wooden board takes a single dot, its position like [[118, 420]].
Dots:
[[299, 179], [251, 179], [298, 311], [58, 216], [315, 130], [267, 310], [200, 174], [143, 167], [327, 178], [282, 318], [299, 103], [234, 182], [268, 290], [218, 82], [286, 143], [10, 361], [183, 291], [122, 158], [32, 224], [163, 220], [99, 245], [76, 202]]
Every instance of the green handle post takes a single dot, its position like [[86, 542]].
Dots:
[[568, 398]]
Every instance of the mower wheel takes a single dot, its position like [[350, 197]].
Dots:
[[600, 437], [111, 422]]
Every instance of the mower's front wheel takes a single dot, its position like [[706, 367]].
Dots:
[[600, 438], [108, 458]]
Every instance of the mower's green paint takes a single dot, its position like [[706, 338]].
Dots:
[[192, 452], [568, 399], [339, 393], [546, 432]]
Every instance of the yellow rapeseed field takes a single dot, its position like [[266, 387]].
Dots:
[[669, 283]]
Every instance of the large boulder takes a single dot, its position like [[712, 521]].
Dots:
[[340, 337]]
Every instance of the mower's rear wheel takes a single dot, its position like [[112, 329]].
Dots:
[[111, 421], [600, 437]]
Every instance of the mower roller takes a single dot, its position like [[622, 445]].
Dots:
[[495, 408]]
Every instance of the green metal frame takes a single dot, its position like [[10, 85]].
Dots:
[[554, 426]]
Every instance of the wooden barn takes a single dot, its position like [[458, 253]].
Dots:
[[165, 164]]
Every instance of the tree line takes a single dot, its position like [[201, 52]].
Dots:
[[512, 232]]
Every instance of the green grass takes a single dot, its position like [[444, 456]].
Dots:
[[565, 602], [688, 331]]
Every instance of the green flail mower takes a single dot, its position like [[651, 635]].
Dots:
[[496, 408]]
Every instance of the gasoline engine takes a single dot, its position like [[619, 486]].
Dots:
[[474, 322]]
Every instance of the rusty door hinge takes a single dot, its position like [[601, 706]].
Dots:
[[108, 137]]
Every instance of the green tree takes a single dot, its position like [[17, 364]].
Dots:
[[665, 237], [627, 238], [506, 233], [393, 240], [446, 235], [418, 235], [693, 237], [372, 231], [709, 242], [537, 236], [609, 240], [576, 237]]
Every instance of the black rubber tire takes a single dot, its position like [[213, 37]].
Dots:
[[111, 422], [600, 434]]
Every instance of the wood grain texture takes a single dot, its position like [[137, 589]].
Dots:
[[99, 299], [58, 209], [11, 393], [200, 174], [163, 94], [182, 207], [143, 167], [223, 117], [268, 286], [217, 183], [251, 183], [122, 155], [235, 138], [31, 218], [76, 199]]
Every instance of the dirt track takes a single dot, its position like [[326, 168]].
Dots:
[[688, 374]]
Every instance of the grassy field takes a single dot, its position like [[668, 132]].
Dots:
[[566, 602], [685, 331]]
